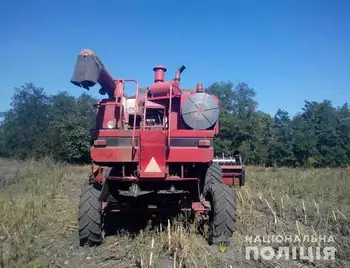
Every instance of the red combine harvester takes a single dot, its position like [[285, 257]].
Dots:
[[154, 153]]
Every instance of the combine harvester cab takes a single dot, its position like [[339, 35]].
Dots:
[[153, 153]]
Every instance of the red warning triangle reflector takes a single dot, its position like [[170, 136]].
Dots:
[[152, 166]]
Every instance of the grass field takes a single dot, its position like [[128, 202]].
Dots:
[[38, 226]]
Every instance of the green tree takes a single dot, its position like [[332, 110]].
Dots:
[[279, 146], [343, 132], [318, 135], [38, 125], [224, 92], [72, 120], [24, 128], [241, 125], [56, 126]]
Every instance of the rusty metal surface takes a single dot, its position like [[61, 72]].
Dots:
[[89, 70]]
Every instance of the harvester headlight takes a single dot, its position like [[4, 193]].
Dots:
[[111, 124]]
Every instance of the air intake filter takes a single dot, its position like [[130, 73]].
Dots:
[[200, 111]]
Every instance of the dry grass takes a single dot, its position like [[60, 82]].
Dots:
[[38, 225], [301, 203]]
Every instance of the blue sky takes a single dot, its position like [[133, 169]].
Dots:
[[288, 51]]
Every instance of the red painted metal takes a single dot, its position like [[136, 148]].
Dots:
[[128, 154], [171, 91], [97, 172], [204, 143], [107, 111], [198, 206], [161, 89], [137, 179], [112, 154], [232, 174], [100, 142], [152, 154], [159, 73], [151, 143], [157, 210], [199, 88], [175, 133], [104, 78]]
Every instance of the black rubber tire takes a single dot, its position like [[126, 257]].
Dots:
[[90, 217], [213, 176], [223, 216], [243, 177]]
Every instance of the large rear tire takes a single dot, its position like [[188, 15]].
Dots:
[[212, 177], [223, 213], [90, 216]]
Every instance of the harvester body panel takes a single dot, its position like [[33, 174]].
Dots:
[[152, 154], [116, 146], [154, 151]]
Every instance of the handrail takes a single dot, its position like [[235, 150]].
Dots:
[[144, 109], [135, 106], [121, 88], [169, 112]]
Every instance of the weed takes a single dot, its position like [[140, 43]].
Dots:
[[38, 220]]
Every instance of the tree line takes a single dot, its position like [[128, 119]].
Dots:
[[58, 126]]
